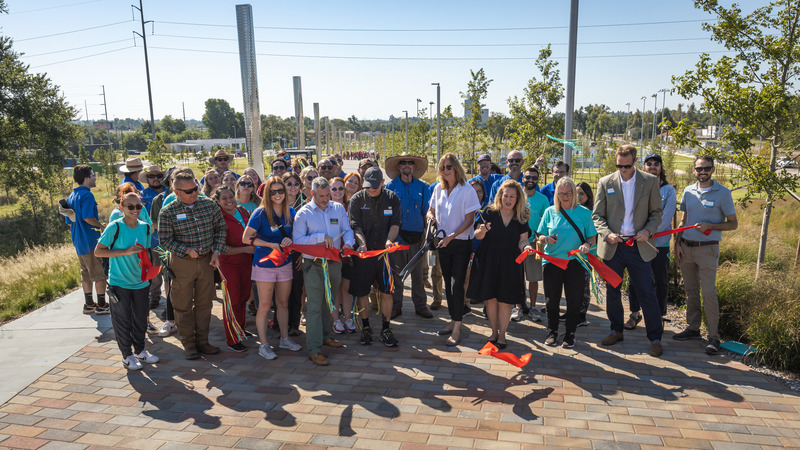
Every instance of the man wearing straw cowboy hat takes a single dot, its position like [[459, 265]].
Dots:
[[415, 195], [220, 163], [131, 171]]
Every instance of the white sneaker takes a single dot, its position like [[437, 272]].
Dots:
[[167, 329], [288, 344], [302, 318], [516, 314], [338, 327], [132, 363], [265, 351], [351, 327], [534, 316], [147, 357]]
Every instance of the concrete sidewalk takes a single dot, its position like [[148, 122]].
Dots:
[[419, 394]]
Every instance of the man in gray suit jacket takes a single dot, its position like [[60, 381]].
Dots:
[[628, 207]]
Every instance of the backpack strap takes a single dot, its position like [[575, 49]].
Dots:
[[116, 235]]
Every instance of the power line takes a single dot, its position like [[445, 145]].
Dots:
[[418, 58], [70, 32], [412, 30], [84, 57], [370, 44], [54, 7], [75, 48]]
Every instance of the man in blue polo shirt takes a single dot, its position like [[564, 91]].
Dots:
[[85, 230], [560, 169], [485, 176], [415, 197], [709, 206], [514, 162]]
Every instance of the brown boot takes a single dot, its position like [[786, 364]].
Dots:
[[190, 353], [318, 359], [613, 338], [436, 305], [207, 348]]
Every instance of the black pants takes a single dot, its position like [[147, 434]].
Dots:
[[573, 283], [129, 318], [659, 267], [454, 260], [587, 297]]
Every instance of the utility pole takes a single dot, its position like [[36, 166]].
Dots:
[[655, 110], [147, 68], [105, 110], [627, 120], [183, 107], [571, 59], [392, 121], [86, 110], [663, 104], [418, 102], [406, 130], [644, 102], [438, 122]]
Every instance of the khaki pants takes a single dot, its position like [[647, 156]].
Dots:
[[699, 270], [192, 294], [318, 314]]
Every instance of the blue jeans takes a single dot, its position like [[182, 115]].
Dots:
[[640, 277]]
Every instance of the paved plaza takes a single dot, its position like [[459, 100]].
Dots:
[[421, 394]]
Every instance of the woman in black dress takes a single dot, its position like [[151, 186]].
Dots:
[[496, 278]]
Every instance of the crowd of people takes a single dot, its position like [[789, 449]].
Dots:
[[312, 245]]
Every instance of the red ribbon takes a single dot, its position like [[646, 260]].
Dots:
[[373, 253], [606, 272], [630, 242], [491, 350], [560, 262], [320, 251], [148, 270]]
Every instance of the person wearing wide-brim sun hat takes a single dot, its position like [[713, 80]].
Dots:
[[220, 163], [415, 195], [131, 171]]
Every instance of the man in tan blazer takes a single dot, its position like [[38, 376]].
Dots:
[[628, 207]]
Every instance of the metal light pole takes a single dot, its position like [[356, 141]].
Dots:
[[627, 119], [407, 129], [438, 121], [655, 109], [418, 102], [663, 104], [571, 58], [147, 69], [644, 101]]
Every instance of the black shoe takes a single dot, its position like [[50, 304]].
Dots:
[[569, 341], [248, 334], [388, 338], [583, 323], [713, 346], [366, 336], [252, 309], [686, 335], [237, 347], [294, 332], [467, 310], [154, 302], [552, 337], [424, 312], [89, 309], [102, 309]]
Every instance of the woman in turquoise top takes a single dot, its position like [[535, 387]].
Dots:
[[246, 194], [120, 242], [561, 237]]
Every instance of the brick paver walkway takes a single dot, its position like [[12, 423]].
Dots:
[[420, 394]]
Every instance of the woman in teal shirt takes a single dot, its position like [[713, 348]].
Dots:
[[120, 242], [561, 237]]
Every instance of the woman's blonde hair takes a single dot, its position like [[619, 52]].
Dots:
[[253, 196], [460, 175], [565, 181], [521, 211], [304, 173], [266, 202], [207, 188]]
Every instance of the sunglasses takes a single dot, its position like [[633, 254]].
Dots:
[[246, 184], [703, 169], [189, 191], [446, 167], [624, 166], [325, 167], [274, 168], [337, 189], [514, 160], [137, 207], [530, 178], [293, 184], [277, 192], [652, 164], [223, 158], [311, 177], [159, 176], [406, 163]]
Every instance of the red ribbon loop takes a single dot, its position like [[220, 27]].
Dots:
[[560, 262], [491, 350]]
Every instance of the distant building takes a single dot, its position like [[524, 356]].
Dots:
[[198, 145], [468, 114]]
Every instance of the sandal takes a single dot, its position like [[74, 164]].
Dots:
[[633, 320]]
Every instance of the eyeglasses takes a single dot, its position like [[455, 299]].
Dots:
[[222, 158], [624, 166], [325, 167], [293, 184], [565, 194], [446, 167], [337, 189], [530, 178], [703, 169], [274, 168], [277, 192], [189, 191], [246, 184], [406, 163], [652, 163], [159, 176], [311, 177], [137, 207], [514, 160]]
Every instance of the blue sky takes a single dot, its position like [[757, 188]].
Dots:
[[626, 50]]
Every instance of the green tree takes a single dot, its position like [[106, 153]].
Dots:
[[531, 117], [477, 89], [219, 118], [136, 140], [158, 153], [170, 125], [83, 155], [754, 87]]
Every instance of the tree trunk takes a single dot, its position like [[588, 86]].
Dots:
[[762, 244]]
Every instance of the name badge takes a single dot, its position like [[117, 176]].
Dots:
[[387, 212], [274, 229], [707, 203], [334, 221], [181, 216], [611, 191]]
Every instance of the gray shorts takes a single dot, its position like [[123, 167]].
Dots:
[[533, 269]]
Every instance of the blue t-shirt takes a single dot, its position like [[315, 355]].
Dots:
[[84, 236], [147, 197], [415, 198], [496, 185], [117, 214], [258, 221], [549, 191], [487, 184], [125, 271], [537, 203], [136, 183], [249, 206], [553, 222]]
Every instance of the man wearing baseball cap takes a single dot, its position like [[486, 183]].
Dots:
[[485, 176]]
